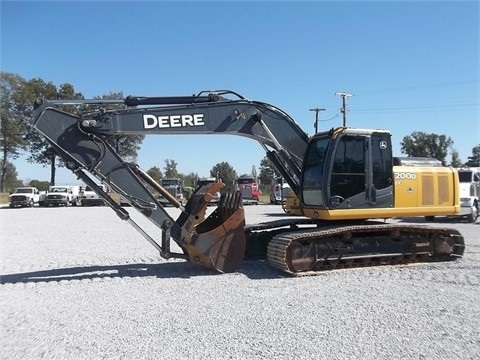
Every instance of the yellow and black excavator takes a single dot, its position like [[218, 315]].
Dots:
[[343, 178]]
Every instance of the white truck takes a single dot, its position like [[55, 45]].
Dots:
[[62, 195], [88, 197], [25, 197], [469, 192]]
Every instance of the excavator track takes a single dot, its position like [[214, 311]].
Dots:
[[312, 251]]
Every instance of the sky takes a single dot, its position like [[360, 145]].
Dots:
[[409, 66]]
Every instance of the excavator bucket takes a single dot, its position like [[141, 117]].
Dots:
[[218, 241]]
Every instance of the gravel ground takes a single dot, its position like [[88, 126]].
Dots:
[[79, 283]]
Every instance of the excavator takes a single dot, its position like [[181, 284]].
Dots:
[[345, 179]]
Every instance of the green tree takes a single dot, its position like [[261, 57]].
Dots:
[[155, 173], [40, 185], [41, 151], [11, 180], [456, 162], [171, 169], [267, 171], [225, 172], [474, 160], [190, 179], [12, 124], [420, 144]]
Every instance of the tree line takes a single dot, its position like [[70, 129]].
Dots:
[[18, 137]]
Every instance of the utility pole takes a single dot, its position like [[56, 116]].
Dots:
[[343, 110], [316, 117]]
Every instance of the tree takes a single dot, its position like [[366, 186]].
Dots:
[[420, 144], [254, 171], [171, 169], [474, 160], [155, 173], [267, 171], [225, 173], [41, 151], [12, 124], [11, 180], [456, 162], [40, 185], [190, 179]]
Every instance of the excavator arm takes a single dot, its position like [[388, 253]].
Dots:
[[217, 242]]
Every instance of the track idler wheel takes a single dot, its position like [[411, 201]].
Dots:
[[217, 242]]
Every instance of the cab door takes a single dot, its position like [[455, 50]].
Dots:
[[348, 173], [361, 171], [380, 171]]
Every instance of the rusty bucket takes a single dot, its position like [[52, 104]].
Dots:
[[218, 241]]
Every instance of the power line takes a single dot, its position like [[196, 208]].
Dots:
[[417, 87], [330, 119], [415, 107]]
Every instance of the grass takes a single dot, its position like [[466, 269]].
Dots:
[[265, 199], [4, 198]]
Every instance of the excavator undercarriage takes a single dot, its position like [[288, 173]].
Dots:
[[332, 247]]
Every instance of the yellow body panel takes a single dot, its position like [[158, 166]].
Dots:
[[418, 191], [425, 186]]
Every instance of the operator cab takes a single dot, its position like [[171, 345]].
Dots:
[[348, 169]]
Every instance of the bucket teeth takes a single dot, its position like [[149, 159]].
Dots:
[[218, 241]]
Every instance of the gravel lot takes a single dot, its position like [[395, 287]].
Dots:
[[79, 283]]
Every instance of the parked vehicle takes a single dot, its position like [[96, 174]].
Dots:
[[88, 197], [247, 185], [75, 194], [280, 190], [25, 197], [469, 192], [62, 195], [174, 187], [41, 198]]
